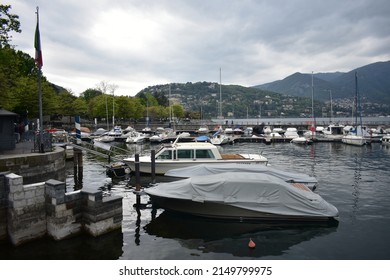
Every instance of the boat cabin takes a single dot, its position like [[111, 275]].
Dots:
[[188, 151]]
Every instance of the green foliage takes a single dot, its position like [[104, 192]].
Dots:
[[8, 22], [90, 93]]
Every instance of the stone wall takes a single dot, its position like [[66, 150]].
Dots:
[[36, 167], [36, 210], [3, 206]]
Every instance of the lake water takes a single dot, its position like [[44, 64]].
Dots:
[[354, 179]]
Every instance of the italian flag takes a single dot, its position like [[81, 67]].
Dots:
[[37, 44]]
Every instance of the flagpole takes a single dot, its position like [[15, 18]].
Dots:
[[37, 37]]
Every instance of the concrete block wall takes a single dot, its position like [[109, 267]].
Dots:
[[40, 209], [26, 215], [35, 167], [64, 216], [101, 214]]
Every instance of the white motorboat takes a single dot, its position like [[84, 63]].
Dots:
[[385, 140], [242, 196], [301, 140], [203, 130], [183, 154], [209, 169], [291, 133], [228, 130], [334, 132], [157, 138], [219, 139], [116, 132], [105, 138], [248, 131], [278, 130], [136, 137]]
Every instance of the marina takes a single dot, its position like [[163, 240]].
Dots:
[[353, 179]]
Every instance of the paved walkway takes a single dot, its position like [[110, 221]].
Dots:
[[21, 148]]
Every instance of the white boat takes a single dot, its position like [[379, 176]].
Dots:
[[219, 139], [209, 169], [354, 137], [116, 132], [301, 140], [136, 137], [98, 133], [203, 130], [278, 130], [105, 138], [228, 130], [183, 154], [385, 140], [248, 131], [267, 130], [334, 132], [238, 131], [242, 196], [291, 133], [157, 138]]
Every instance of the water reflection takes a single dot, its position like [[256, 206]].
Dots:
[[217, 236], [356, 185], [105, 247]]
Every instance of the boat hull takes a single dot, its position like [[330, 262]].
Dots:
[[216, 210], [354, 140], [161, 167]]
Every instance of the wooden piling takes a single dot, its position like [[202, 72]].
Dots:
[[137, 179], [153, 166], [78, 168]]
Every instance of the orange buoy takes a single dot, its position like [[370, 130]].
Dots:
[[251, 244]]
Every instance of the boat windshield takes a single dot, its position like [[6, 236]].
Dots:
[[204, 154], [167, 154], [186, 154]]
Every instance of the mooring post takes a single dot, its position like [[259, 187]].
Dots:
[[153, 166], [137, 179], [78, 168]]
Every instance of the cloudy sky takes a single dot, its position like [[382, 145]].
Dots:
[[138, 43]]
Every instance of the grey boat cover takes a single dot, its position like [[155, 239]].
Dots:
[[254, 191], [208, 169]]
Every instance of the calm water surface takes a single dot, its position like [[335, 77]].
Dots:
[[354, 179]]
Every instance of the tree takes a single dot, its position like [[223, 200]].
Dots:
[[123, 105], [178, 110], [90, 93], [80, 107], [8, 22]]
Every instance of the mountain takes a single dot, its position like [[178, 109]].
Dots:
[[290, 97], [373, 84]]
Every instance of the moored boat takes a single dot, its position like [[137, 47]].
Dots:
[[385, 140], [183, 154], [242, 196]]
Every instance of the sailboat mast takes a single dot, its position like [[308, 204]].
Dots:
[[331, 108], [359, 109], [313, 127], [220, 93], [169, 103]]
